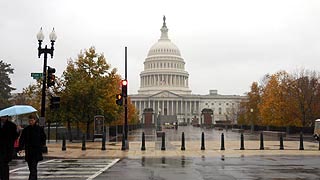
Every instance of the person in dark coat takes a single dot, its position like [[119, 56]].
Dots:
[[32, 140], [8, 134]]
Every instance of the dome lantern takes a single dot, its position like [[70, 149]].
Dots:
[[164, 30]]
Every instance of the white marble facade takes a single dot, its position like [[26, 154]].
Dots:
[[164, 87]]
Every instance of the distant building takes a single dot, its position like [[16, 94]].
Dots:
[[164, 91]]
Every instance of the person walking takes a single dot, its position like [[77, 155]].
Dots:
[[8, 134], [32, 140]]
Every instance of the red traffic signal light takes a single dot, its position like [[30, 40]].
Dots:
[[124, 87], [124, 82]]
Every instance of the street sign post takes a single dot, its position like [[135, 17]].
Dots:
[[36, 75]]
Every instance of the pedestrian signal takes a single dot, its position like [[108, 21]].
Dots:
[[54, 102], [119, 99]]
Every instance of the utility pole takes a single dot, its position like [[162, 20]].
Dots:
[[125, 143]]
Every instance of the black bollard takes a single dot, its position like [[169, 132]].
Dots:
[[241, 142], [63, 144], [83, 143], [281, 142], [183, 147], [301, 141], [103, 145], [222, 142], [202, 141], [143, 145], [123, 147], [319, 145], [261, 141], [163, 144]]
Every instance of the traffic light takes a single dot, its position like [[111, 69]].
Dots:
[[54, 102], [119, 99], [124, 87], [50, 77]]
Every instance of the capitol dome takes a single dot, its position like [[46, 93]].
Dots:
[[164, 68], [164, 46]]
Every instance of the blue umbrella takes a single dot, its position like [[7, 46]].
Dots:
[[17, 110]]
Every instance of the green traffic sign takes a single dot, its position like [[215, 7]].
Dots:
[[36, 75]]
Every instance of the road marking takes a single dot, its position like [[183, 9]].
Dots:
[[25, 167], [51, 177], [66, 169], [104, 169]]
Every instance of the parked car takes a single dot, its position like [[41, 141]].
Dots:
[[168, 126]]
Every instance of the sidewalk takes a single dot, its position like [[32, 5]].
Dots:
[[232, 149]]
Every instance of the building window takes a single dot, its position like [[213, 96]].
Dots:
[[227, 104], [220, 111], [212, 103]]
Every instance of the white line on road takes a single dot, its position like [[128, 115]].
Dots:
[[25, 167], [104, 169]]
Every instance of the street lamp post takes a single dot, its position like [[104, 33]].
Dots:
[[252, 126], [45, 51]]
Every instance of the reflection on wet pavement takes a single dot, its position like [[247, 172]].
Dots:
[[204, 168]]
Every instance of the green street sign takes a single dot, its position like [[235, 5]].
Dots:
[[36, 75]]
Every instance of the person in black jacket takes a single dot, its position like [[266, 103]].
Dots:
[[32, 140], [8, 134]]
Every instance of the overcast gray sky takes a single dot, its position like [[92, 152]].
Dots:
[[226, 44]]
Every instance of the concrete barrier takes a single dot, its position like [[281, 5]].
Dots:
[[274, 133], [237, 130]]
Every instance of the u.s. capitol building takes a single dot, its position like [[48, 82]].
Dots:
[[164, 90]]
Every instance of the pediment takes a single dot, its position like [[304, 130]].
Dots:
[[165, 94]]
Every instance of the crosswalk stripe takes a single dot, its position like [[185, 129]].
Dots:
[[66, 169], [50, 177], [26, 167], [104, 169], [57, 172]]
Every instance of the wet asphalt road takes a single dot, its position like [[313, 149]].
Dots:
[[184, 168], [178, 168], [194, 134], [224, 168]]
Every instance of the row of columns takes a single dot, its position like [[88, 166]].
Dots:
[[164, 79], [164, 66], [173, 107]]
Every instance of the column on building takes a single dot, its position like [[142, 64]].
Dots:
[[162, 107], [154, 110], [172, 112]]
